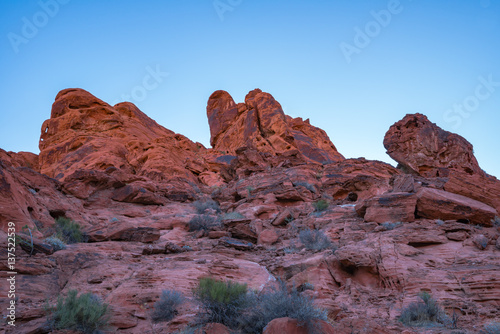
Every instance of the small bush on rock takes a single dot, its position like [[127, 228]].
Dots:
[[314, 240], [320, 205], [56, 243], [202, 206], [165, 309], [222, 302], [86, 313], [491, 328], [280, 303], [424, 313], [203, 222], [391, 225], [69, 231], [233, 215]]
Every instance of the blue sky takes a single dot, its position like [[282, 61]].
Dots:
[[352, 67]]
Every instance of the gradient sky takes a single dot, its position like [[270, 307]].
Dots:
[[352, 67]]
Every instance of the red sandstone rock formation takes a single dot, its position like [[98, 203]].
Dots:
[[86, 133], [424, 148], [130, 182], [261, 123]]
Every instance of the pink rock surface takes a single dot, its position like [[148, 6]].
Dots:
[[291, 326]]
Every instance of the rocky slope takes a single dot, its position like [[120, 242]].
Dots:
[[134, 186]]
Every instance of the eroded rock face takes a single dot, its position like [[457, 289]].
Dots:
[[129, 183], [483, 188], [84, 132], [261, 123], [29, 198], [393, 207], [427, 150], [439, 204]]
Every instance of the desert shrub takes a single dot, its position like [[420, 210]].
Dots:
[[491, 328], [222, 302], [69, 231], [165, 309], [203, 222], [496, 221], [56, 243], [314, 239], [440, 222], [233, 215], [202, 206], [86, 313], [279, 303], [423, 313], [320, 205], [390, 225]]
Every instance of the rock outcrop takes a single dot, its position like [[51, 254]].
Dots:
[[273, 199], [427, 150], [86, 133], [261, 123]]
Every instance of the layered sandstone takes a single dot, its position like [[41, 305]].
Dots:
[[84, 132], [131, 184], [261, 123], [427, 150]]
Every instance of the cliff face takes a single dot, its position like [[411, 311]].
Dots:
[[134, 187]]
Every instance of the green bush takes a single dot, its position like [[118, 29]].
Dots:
[[86, 313], [279, 303], [202, 206], [222, 302], [491, 328], [203, 222], [424, 313], [391, 225], [233, 215], [314, 240], [56, 243], [69, 231], [320, 205], [165, 309]]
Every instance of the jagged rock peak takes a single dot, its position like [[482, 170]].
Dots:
[[261, 123]]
